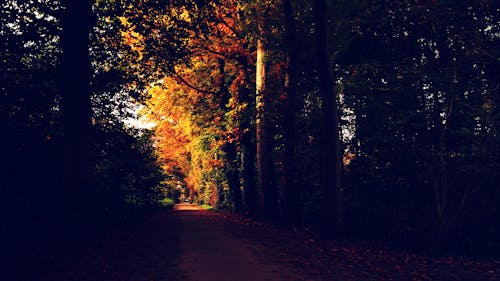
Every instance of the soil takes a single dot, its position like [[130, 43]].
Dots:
[[192, 244]]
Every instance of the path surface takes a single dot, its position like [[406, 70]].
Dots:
[[191, 244], [188, 244], [209, 252]]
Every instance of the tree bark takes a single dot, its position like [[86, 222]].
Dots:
[[259, 120], [440, 173], [247, 160], [267, 197], [247, 145], [331, 222], [76, 108], [290, 193], [231, 169]]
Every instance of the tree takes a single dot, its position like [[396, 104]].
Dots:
[[77, 115], [290, 194], [330, 161], [264, 137], [229, 148]]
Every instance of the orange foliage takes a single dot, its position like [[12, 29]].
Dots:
[[194, 118]]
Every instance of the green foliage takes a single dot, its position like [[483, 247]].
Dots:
[[126, 171], [167, 203], [206, 207], [417, 127]]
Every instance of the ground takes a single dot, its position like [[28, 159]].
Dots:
[[192, 244]]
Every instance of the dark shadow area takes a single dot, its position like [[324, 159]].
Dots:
[[70, 169], [147, 250]]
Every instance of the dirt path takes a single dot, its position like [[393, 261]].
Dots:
[[187, 244], [209, 252], [191, 244]]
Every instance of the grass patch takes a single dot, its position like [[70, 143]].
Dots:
[[206, 207]]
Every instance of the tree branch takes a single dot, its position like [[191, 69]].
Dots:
[[178, 76], [236, 33]]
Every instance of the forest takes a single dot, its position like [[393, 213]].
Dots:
[[366, 120]]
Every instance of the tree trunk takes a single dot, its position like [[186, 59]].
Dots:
[[290, 196], [231, 169], [76, 108], [331, 222], [247, 175], [440, 177], [247, 145], [267, 197], [247, 151], [232, 175]]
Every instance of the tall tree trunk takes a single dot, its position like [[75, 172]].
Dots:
[[440, 172], [76, 108], [247, 148], [247, 145], [247, 160], [331, 222], [232, 176], [231, 169], [290, 193], [260, 80], [266, 192]]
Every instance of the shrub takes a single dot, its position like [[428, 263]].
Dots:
[[167, 203]]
